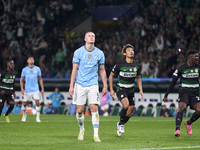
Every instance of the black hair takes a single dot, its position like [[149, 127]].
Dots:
[[6, 62], [190, 52], [30, 57], [125, 47]]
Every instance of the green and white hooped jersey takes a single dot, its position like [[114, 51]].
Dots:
[[127, 72], [7, 80], [189, 77]]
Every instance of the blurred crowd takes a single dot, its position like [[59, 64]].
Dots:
[[161, 33]]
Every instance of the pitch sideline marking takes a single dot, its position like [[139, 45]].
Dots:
[[188, 147]]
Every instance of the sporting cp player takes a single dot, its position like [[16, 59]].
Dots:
[[188, 91], [31, 74], [86, 62], [7, 88], [126, 71]]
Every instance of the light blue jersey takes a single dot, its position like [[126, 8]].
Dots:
[[31, 78], [88, 62]]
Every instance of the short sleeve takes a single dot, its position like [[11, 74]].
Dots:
[[139, 71], [39, 72], [76, 59], [23, 73], [115, 69], [102, 59], [177, 72]]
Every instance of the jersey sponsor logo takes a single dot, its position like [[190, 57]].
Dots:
[[190, 75], [11, 77], [130, 69], [191, 70], [8, 80], [89, 56], [126, 74]]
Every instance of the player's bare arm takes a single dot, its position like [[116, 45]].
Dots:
[[104, 79], [112, 92], [41, 84], [139, 83], [73, 78], [22, 85]]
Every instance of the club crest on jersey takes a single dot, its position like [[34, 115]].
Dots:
[[35, 71], [135, 69], [196, 70], [191, 70], [31, 71], [89, 56], [96, 57]]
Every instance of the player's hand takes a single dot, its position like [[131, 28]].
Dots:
[[141, 93], [2, 92], [71, 91], [112, 94], [165, 99], [22, 91], [104, 91], [42, 91]]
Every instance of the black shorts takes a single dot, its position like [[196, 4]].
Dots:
[[7, 97], [125, 93], [189, 97]]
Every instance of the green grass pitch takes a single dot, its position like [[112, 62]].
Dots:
[[57, 132]]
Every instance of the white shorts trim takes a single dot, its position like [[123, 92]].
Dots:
[[81, 94], [29, 96]]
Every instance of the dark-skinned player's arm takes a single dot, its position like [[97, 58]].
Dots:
[[1, 77], [171, 86]]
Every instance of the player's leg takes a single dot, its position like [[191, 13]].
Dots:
[[79, 99], [36, 96], [195, 104], [94, 101], [179, 117], [27, 97], [2, 101], [123, 117], [37, 102], [80, 119], [123, 98], [11, 102], [131, 103]]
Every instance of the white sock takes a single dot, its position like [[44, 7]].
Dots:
[[24, 109], [80, 119], [95, 122], [38, 111]]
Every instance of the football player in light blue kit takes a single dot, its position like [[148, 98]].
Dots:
[[31, 74], [87, 60]]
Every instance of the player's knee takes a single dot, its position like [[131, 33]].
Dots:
[[12, 105], [79, 111], [125, 106], [198, 111], [182, 108], [129, 114]]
